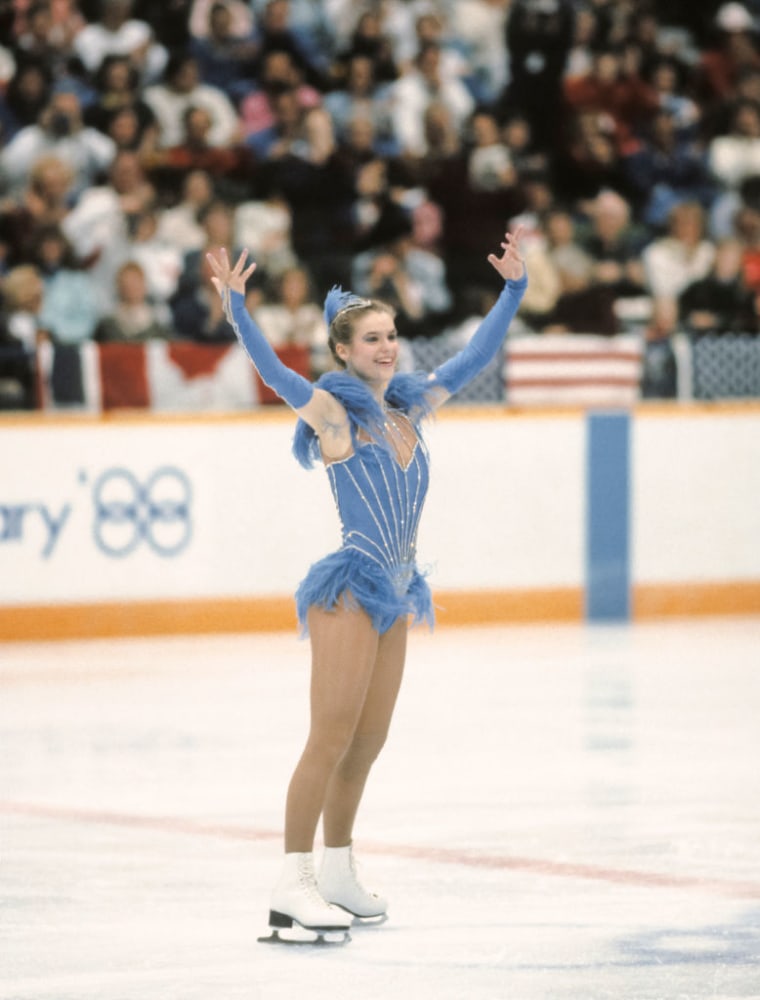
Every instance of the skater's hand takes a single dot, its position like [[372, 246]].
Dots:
[[225, 276], [510, 265]]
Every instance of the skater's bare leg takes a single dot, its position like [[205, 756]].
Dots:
[[344, 650], [347, 782]]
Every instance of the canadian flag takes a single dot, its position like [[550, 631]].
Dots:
[[164, 376]]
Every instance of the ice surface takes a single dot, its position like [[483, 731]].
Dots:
[[560, 812]]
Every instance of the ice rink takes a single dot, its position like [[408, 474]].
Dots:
[[561, 812]]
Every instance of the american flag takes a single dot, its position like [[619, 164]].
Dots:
[[573, 369]]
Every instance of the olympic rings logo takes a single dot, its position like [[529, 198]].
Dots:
[[128, 512]]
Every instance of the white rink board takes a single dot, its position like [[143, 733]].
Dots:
[[218, 508], [696, 498]]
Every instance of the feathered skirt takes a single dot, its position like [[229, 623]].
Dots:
[[350, 577]]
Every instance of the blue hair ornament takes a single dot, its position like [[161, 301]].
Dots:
[[337, 300]]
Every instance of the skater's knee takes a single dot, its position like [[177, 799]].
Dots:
[[328, 745], [361, 754]]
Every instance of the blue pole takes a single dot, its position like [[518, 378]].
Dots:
[[608, 498]]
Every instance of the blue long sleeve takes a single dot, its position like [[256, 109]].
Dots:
[[472, 359], [293, 388]]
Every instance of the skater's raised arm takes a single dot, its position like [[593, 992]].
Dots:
[[318, 408], [452, 375]]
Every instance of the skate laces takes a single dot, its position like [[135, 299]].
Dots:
[[308, 882], [353, 868]]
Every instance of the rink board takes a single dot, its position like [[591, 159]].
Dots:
[[143, 525]]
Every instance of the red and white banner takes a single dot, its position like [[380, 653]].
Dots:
[[573, 369], [163, 376]]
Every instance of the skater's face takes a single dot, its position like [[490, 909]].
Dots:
[[373, 351]]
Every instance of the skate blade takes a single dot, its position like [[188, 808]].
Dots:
[[375, 921], [297, 935]]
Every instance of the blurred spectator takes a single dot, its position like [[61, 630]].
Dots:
[[241, 18], [134, 318], [615, 244], [20, 332], [585, 28], [360, 97], [225, 52], [162, 263], [119, 110], [733, 50], [582, 305], [417, 90], [22, 101], [98, 226], [747, 229], [718, 118], [610, 89], [292, 317], [443, 139], [195, 313], [69, 309], [117, 32], [369, 39], [682, 256], [736, 156], [48, 41], [179, 225], [666, 169], [278, 73], [265, 228], [45, 201], [22, 297], [489, 164], [660, 376], [229, 166], [457, 55], [297, 133], [312, 20], [180, 89], [276, 31], [411, 279], [60, 130], [474, 42], [477, 192], [668, 78], [518, 138], [588, 161], [539, 37], [720, 302], [169, 20], [364, 181]]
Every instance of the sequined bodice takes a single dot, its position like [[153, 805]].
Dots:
[[379, 503]]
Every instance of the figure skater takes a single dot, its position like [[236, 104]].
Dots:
[[363, 423]]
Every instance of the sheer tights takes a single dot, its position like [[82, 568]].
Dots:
[[355, 678]]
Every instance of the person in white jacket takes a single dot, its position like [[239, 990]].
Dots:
[[414, 93], [181, 89]]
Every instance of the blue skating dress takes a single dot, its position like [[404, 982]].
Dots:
[[379, 503]]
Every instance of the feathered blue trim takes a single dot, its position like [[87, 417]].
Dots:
[[348, 577], [407, 392], [336, 299]]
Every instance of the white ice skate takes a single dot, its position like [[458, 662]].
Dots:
[[338, 883], [298, 907]]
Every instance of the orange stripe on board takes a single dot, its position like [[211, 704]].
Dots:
[[277, 614], [136, 618], [653, 600], [485, 607]]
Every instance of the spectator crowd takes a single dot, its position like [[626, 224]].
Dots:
[[382, 145]]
